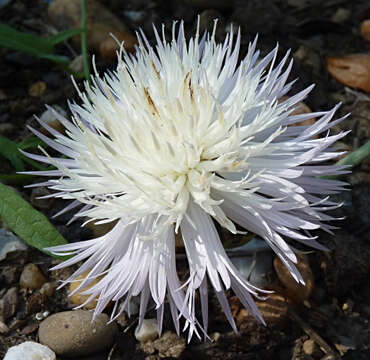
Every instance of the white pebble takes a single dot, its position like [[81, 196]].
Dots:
[[30, 350], [147, 331]]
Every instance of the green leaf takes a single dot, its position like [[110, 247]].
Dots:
[[30, 143], [9, 150], [29, 224], [21, 41], [35, 45], [22, 179], [63, 35]]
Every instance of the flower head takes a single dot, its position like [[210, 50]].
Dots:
[[179, 137]]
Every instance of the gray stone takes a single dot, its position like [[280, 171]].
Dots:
[[10, 243]]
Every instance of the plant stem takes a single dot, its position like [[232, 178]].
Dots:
[[85, 54], [355, 157]]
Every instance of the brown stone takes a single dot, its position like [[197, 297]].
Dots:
[[32, 277], [78, 298], [73, 333], [365, 29], [100, 22], [292, 289]]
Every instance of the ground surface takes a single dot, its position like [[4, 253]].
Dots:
[[338, 311]]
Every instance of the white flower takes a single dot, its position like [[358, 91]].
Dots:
[[180, 136]]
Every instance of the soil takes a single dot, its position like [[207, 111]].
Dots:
[[336, 316]]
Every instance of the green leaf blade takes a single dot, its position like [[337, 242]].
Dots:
[[29, 224], [63, 35]]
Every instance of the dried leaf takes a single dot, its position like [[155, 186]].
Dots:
[[351, 70]]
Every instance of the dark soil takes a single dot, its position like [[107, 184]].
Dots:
[[338, 311]]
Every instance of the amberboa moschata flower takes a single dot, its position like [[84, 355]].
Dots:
[[178, 137]]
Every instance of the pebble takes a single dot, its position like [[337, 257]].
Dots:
[[341, 15], [7, 129], [256, 262], [32, 277], [37, 89], [73, 333], [49, 118], [3, 328], [8, 304], [10, 243], [3, 95], [274, 311], [169, 345], [148, 330], [101, 229], [41, 203], [34, 351], [365, 29], [48, 289], [100, 23], [295, 291], [311, 348], [79, 298], [77, 64]]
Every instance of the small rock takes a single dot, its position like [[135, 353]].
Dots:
[[274, 310], [37, 89], [255, 268], [311, 348], [341, 15], [135, 16], [48, 289], [2, 95], [41, 203], [295, 291], [33, 350], [29, 329], [365, 29], [77, 64], [16, 324], [73, 333], [10, 274], [10, 243], [66, 14], [7, 129], [8, 304], [78, 298], [32, 277], [3, 328], [49, 118], [170, 345], [102, 229], [148, 330]]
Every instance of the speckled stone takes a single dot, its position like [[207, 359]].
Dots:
[[73, 333]]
